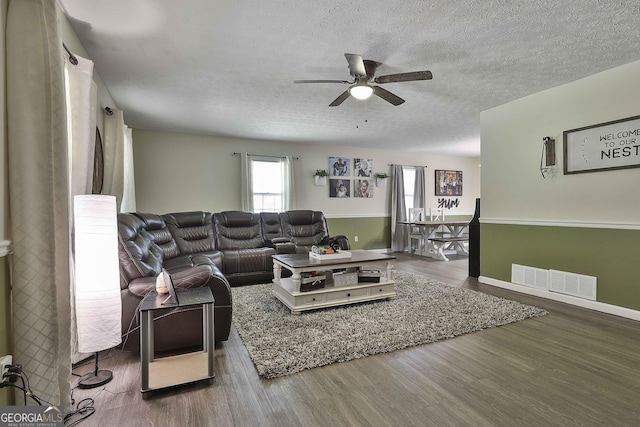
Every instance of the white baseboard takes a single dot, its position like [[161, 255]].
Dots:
[[382, 251], [592, 305]]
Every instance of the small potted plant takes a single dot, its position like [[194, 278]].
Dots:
[[320, 176], [381, 179]]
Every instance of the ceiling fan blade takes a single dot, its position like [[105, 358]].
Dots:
[[404, 77], [387, 96], [322, 81], [356, 64], [339, 100], [370, 66]]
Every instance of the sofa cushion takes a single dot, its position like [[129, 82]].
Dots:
[[305, 228], [192, 231], [155, 225], [208, 258], [139, 255], [236, 261], [238, 230], [271, 227], [178, 263]]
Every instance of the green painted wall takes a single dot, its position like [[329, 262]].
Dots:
[[373, 233], [608, 254]]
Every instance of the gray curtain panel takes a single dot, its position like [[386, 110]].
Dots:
[[419, 194], [399, 236], [39, 199]]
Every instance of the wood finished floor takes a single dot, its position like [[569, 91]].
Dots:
[[574, 367]]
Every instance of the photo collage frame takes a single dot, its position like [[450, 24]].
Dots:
[[342, 171]]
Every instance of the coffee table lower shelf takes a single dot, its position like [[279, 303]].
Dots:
[[297, 302]]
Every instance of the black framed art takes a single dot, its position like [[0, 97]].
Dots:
[[448, 183]]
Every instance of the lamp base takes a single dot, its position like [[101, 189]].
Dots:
[[95, 379]]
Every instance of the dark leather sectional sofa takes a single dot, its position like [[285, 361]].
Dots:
[[218, 250]]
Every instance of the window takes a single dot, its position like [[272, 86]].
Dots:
[[409, 174], [268, 183]]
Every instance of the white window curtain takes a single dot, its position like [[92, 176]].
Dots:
[[399, 239], [81, 115], [81, 124], [246, 182], [39, 197], [129, 189], [118, 161]]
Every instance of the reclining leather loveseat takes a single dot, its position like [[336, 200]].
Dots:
[[220, 250]]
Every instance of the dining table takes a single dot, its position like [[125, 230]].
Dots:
[[434, 242]]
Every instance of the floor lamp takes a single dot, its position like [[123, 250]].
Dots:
[[97, 285]]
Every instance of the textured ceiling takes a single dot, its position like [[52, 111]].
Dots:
[[226, 67]]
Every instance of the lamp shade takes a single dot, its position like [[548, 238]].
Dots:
[[97, 290], [361, 91]]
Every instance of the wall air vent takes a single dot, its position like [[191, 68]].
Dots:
[[577, 285], [530, 276]]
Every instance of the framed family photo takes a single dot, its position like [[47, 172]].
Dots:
[[448, 183], [363, 167], [339, 166], [363, 188], [340, 188]]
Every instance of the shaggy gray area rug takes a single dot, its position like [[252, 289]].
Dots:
[[423, 311]]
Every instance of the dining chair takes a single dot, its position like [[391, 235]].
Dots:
[[415, 232], [436, 214]]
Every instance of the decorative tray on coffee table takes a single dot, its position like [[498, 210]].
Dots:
[[322, 253]]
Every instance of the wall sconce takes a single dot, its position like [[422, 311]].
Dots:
[[548, 157]]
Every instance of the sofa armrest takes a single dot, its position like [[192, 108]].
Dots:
[[197, 276], [341, 240], [277, 240], [282, 245]]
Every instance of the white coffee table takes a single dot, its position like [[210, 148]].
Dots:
[[287, 289]]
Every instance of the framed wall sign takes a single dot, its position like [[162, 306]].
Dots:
[[448, 183], [606, 146]]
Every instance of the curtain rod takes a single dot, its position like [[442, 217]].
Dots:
[[72, 57], [409, 166], [235, 153]]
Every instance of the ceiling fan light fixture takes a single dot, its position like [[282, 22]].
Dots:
[[361, 91]]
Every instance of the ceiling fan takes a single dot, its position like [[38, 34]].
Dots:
[[362, 72]]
